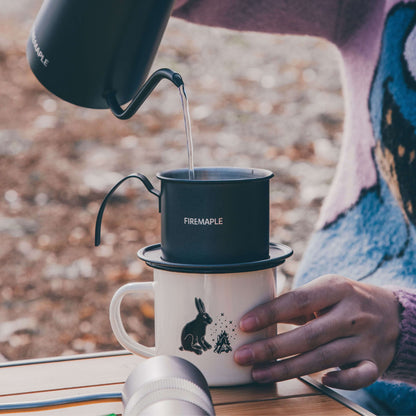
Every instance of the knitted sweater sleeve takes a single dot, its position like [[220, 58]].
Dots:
[[334, 20], [272, 16], [403, 367]]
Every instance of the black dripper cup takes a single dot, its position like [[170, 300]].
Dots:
[[221, 216]]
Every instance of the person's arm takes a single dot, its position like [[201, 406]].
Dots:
[[403, 367], [334, 20], [343, 323], [318, 18]]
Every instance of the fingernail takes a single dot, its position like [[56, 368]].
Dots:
[[262, 375], [249, 323], [330, 379], [244, 356]]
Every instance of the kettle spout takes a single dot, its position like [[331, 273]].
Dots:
[[142, 93], [177, 79]]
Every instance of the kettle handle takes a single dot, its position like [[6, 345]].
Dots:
[[146, 183]]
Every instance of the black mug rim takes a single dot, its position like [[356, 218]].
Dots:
[[228, 174]]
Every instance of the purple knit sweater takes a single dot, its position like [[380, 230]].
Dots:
[[368, 221], [403, 367]]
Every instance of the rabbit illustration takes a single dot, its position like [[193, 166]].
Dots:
[[193, 333]]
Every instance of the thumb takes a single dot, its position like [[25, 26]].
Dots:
[[352, 378]]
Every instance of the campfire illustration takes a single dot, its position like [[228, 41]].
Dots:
[[223, 334], [223, 343]]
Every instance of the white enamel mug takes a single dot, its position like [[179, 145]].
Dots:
[[197, 318]]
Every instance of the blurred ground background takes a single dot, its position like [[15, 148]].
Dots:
[[255, 100]]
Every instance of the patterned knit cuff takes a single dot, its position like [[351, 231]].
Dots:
[[403, 367]]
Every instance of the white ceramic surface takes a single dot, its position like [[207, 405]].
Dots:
[[197, 318]]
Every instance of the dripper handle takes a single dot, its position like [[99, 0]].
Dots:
[[142, 94], [146, 183]]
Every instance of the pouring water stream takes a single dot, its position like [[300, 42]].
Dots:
[[188, 130]]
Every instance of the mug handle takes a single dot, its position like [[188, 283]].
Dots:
[[117, 324], [146, 183]]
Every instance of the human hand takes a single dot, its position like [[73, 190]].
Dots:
[[343, 323]]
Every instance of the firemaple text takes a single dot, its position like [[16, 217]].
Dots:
[[203, 221]]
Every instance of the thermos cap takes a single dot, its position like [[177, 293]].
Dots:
[[166, 385]]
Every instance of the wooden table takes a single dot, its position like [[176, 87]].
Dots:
[[75, 376]]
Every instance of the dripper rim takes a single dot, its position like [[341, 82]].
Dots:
[[152, 256], [250, 174]]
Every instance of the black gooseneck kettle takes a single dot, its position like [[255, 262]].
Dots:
[[97, 53]]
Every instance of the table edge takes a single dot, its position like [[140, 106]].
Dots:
[[57, 359], [306, 379], [336, 396]]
